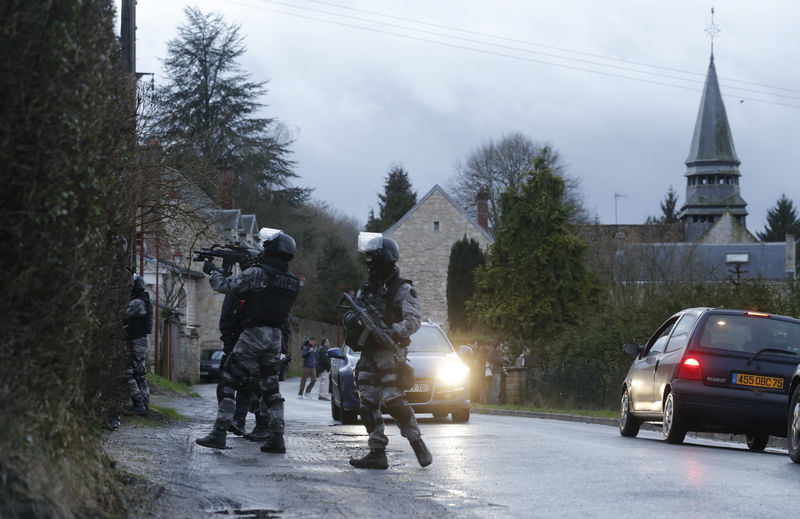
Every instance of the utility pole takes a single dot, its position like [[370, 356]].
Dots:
[[128, 35]]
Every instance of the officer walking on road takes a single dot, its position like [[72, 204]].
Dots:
[[138, 324], [396, 300], [269, 290]]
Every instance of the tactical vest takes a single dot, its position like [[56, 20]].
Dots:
[[384, 301], [270, 306], [141, 325]]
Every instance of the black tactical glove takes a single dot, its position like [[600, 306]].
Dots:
[[391, 333], [209, 267]]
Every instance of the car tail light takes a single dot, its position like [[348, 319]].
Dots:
[[691, 369]]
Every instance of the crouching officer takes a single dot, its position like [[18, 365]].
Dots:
[[396, 300], [269, 290]]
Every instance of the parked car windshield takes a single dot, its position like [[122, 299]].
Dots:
[[429, 339], [749, 334]]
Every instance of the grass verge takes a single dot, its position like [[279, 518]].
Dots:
[[166, 384], [599, 413]]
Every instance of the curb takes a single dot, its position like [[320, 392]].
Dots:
[[774, 442]]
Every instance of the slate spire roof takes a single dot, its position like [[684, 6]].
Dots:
[[712, 141], [712, 167]]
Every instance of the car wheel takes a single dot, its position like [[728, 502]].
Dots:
[[673, 428], [336, 413], [628, 424], [440, 414], [793, 432], [757, 442], [461, 415], [349, 417]]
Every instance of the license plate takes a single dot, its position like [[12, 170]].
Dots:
[[419, 388], [747, 379]]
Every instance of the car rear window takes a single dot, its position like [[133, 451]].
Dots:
[[430, 339], [749, 334]]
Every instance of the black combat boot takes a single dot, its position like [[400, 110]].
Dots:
[[236, 427], [375, 459], [424, 456], [260, 432], [274, 444], [215, 440], [139, 408]]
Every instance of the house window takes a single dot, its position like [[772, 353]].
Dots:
[[435, 226]]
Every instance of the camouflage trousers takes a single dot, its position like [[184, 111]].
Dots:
[[374, 388], [138, 390], [253, 366]]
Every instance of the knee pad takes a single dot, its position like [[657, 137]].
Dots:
[[269, 385], [399, 410]]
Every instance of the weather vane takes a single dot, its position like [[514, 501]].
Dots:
[[712, 30]]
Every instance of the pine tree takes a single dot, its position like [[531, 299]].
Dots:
[[396, 200], [668, 212], [781, 220], [207, 116], [535, 281], [465, 256]]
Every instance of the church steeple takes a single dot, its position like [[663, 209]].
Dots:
[[712, 167]]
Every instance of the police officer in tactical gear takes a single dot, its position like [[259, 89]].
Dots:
[[396, 300], [269, 290], [138, 324]]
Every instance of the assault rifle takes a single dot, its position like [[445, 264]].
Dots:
[[231, 254], [372, 323]]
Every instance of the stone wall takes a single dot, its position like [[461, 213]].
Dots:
[[425, 238]]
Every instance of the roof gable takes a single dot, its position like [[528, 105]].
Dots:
[[437, 189]]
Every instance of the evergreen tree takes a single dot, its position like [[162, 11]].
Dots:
[[337, 271], [535, 281], [669, 213], [207, 116], [396, 200], [465, 256], [781, 220]]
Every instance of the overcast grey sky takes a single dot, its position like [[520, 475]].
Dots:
[[613, 85]]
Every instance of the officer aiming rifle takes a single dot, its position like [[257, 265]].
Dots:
[[231, 255]]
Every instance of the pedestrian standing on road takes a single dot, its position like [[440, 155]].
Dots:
[[269, 290], [309, 353], [323, 369], [396, 300], [138, 324], [496, 363]]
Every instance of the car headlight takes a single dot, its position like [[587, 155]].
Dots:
[[453, 372]]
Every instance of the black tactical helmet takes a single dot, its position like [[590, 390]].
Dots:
[[277, 244], [137, 284], [382, 249]]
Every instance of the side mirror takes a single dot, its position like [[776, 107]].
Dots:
[[335, 353], [631, 348], [465, 350]]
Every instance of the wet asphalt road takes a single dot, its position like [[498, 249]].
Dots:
[[493, 466]]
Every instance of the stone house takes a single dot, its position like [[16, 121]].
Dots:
[[425, 235]]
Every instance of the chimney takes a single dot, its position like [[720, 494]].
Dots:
[[226, 178], [483, 208]]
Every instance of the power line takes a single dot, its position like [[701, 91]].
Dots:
[[502, 54], [526, 42]]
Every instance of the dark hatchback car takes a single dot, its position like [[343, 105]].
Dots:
[[209, 364], [793, 430], [713, 370], [441, 378]]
